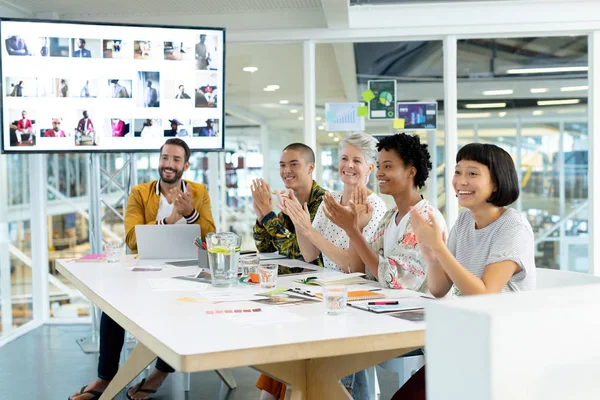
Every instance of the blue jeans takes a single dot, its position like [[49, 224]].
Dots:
[[112, 337]]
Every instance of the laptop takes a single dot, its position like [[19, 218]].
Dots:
[[170, 242]]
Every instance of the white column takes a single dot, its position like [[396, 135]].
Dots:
[[594, 148], [519, 141], [215, 180], [563, 252], [450, 123], [432, 194], [5, 289], [39, 237], [264, 148], [310, 129]]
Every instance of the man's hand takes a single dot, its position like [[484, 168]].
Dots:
[[261, 198], [182, 201], [174, 217], [299, 215]]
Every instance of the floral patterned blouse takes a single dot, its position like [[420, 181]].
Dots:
[[402, 266]]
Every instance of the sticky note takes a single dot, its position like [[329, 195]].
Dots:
[[399, 123], [193, 300], [363, 111], [330, 116], [368, 95]]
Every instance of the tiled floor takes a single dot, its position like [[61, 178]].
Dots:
[[48, 364]]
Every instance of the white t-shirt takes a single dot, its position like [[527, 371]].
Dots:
[[165, 209], [336, 235], [393, 232]]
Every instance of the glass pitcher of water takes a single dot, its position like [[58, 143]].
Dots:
[[223, 256]]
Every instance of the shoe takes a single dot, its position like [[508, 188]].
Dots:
[[141, 389], [93, 392]]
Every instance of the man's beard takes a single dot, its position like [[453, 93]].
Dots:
[[176, 177]]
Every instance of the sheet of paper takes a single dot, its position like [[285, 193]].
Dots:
[[239, 293], [270, 256], [176, 285], [294, 264], [146, 269]]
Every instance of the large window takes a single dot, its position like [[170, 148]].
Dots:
[[343, 71], [265, 113], [529, 96]]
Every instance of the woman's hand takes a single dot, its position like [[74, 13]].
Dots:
[[429, 234], [344, 217], [363, 208]]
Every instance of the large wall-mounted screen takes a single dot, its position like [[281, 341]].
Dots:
[[104, 88]]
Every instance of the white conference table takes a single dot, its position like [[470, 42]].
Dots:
[[310, 354]]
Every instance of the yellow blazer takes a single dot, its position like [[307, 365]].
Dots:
[[143, 203]]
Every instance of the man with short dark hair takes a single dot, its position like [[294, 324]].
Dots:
[[182, 95], [85, 127], [24, 126], [55, 131], [276, 232], [82, 52], [169, 200]]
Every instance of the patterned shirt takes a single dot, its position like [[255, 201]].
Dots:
[[277, 232], [336, 235], [402, 266]]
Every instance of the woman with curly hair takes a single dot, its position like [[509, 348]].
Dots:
[[392, 256]]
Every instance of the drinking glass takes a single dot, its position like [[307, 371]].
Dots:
[[223, 257], [335, 298], [267, 274], [113, 252], [249, 264]]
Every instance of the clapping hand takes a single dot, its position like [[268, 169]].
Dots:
[[363, 208], [300, 215], [429, 233], [261, 198], [182, 201], [344, 217]]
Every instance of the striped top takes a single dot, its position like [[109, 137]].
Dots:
[[509, 238]]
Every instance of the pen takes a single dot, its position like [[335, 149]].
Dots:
[[302, 292], [382, 303]]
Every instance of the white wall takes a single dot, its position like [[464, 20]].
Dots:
[[540, 345]]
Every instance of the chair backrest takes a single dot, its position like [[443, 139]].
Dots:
[[553, 278]]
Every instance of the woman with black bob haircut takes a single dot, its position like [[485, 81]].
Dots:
[[490, 248], [501, 167]]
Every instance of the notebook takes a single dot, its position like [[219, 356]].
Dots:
[[355, 278], [92, 258], [404, 304], [358, 295]]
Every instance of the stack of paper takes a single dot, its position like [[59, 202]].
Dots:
[[355, 278]]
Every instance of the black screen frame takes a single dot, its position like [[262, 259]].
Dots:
[[87, 150]]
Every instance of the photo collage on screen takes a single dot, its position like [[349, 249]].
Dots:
[[81, 87]]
